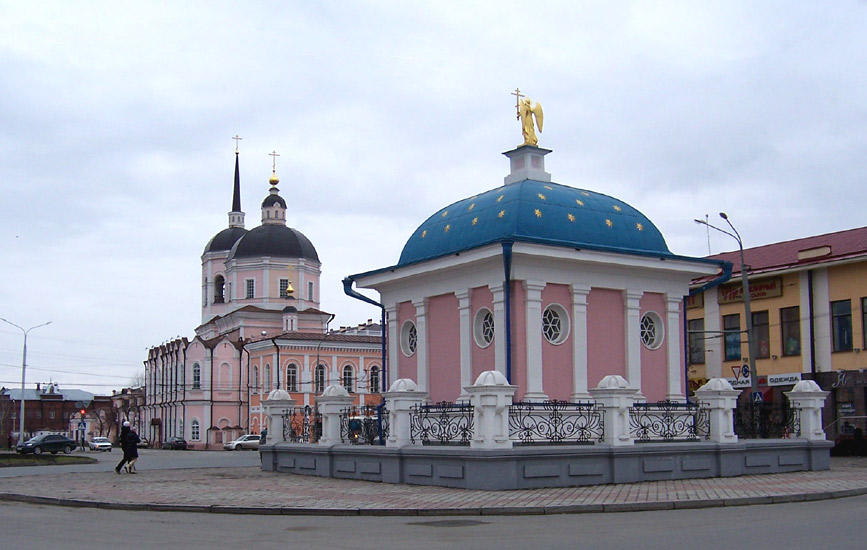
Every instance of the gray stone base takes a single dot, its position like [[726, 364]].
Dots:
[[548, 466]]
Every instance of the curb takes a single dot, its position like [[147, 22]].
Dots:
[[505, 511]]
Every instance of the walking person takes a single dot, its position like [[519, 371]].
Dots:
[[124, 432], [130, 450]]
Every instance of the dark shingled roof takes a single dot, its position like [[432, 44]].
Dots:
[[225, 239], [274, 240]]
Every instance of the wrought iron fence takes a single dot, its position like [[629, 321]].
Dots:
[[367, 425], [555, 422], [302, 425], [766, 421], [441, 424], [668, 421]]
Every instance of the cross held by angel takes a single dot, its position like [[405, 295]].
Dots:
[[526, 113]]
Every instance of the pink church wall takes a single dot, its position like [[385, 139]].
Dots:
[[519, 339], [482, 358], [606, 335], [407, 367], [557, 359], [654, 363], [444, 358]]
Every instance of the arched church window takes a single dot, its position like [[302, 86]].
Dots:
[[219, 290], [197, 376], [319, 379], [195, 431], [292, 377], [255, 379], [483, 327], [267, 377], [374, 380], [348, 378], [408, 338], [555, 324], [652, 330]]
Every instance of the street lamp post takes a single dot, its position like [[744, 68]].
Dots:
[[23, 372], [751, 343]]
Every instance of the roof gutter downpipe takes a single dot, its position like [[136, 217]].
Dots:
[[507, 287], [723, 277], [352, 293]]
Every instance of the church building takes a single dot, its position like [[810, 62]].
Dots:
[[261, 329]]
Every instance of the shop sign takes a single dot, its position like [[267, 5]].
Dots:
[[764, 288], [784, 379], [695, 301], [771, 380]]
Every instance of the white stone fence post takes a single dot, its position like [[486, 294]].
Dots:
[[615, 398], [400, 399], [276, 407], [807, 398], [331, 403], [720, 399], [490, 397]]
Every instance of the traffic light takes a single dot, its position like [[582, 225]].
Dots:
[[83, 412]]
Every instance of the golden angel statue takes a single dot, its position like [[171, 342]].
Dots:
[[526, 112]]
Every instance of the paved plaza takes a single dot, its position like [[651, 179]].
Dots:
[[247, 489]]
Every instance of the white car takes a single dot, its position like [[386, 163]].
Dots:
[[249, 441], [99, 444]]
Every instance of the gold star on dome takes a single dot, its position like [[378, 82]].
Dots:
[[538, 213], [580, 202], [475, 221], [424, 234], [446, 213], [585, 193], [617, 208], [447, 227], [639, 227], [571, 217], [609, 223], [548, 187], [501, 214], [500, 198], [472, 206], [541, 196]]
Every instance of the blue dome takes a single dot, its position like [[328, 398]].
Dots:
[[535, 211]]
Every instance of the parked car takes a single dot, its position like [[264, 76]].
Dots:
[[175, 443], [99, 444], [143, 443], [51, 443], [249, 441]]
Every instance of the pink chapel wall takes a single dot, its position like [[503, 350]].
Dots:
[[519, 339], [557, 358], [407, 367], [444, 353], [606, 335], [482, 358], [654, 363]]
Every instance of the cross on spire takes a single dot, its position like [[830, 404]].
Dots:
[[237, 138], [274, 154]]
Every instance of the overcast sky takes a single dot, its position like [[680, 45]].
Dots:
[[117, 161]]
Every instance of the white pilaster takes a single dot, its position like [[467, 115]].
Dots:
[[673, 348], [466, 329], [533, 290], [393, 340], [499, 304], [579, 342], [421, 347], [632, 309]]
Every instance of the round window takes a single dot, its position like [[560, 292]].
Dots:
[[555, 324], [483, 327], [652, 330], [408, 338]]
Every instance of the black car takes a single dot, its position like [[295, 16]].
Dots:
[[51, 443], [175, 443]]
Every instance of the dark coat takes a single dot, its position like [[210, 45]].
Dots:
[[129, 444]]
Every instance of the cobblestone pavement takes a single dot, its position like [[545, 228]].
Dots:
[[250, 490]]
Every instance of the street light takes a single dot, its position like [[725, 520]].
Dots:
[[23, 371], [754, 378]]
